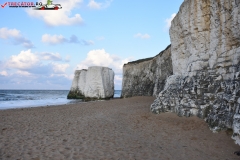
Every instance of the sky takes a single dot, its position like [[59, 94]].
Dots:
[[41, 49]]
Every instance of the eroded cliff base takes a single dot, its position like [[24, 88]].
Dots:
[[212, 98]]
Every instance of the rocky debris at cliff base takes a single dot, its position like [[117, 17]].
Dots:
[[75, 95], [218, 102], [92, 84]]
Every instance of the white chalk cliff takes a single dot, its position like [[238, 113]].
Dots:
[[205, 60], [205, 52], [94, 83], [146, 77], [205, 36]]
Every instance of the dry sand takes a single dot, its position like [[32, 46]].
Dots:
[[117, 129]]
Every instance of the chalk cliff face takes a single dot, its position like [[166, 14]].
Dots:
[[94, 83], [205, 48], [147, 77], [205, 36]]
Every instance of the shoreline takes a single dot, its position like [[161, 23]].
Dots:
[[71, 101], [36, 98], [113, 129]]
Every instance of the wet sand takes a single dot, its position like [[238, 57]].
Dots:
[[121, 129]]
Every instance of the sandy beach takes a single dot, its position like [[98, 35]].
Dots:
[[121, 129]]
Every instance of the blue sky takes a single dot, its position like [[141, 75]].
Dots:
[[42, 49]]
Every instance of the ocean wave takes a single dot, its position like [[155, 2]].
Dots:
[[33, 98]]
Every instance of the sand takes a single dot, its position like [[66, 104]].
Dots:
[[121, 129]]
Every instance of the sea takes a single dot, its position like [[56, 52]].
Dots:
[[10, 99]]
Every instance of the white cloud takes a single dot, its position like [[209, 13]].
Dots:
[[60, 68], [23, 73], [97, 58], [27, 44], [6, 33], [59, 39], [142, 36], [107, 3], [101, 58], [118, 79], [50, 56], [70, 76], [169, 20], [118, 82], [34, 71], [67, 58], [62, 16], [16, 37], [97, 5], [87, 43], [25, 80], [4, 73], [24, 60], [53, 39], [94, 5], [36, 63]]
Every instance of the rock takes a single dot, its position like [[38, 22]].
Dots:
[[94, 83], [147, 77], [205, 53]]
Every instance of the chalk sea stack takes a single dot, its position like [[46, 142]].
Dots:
[[95, 83]]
